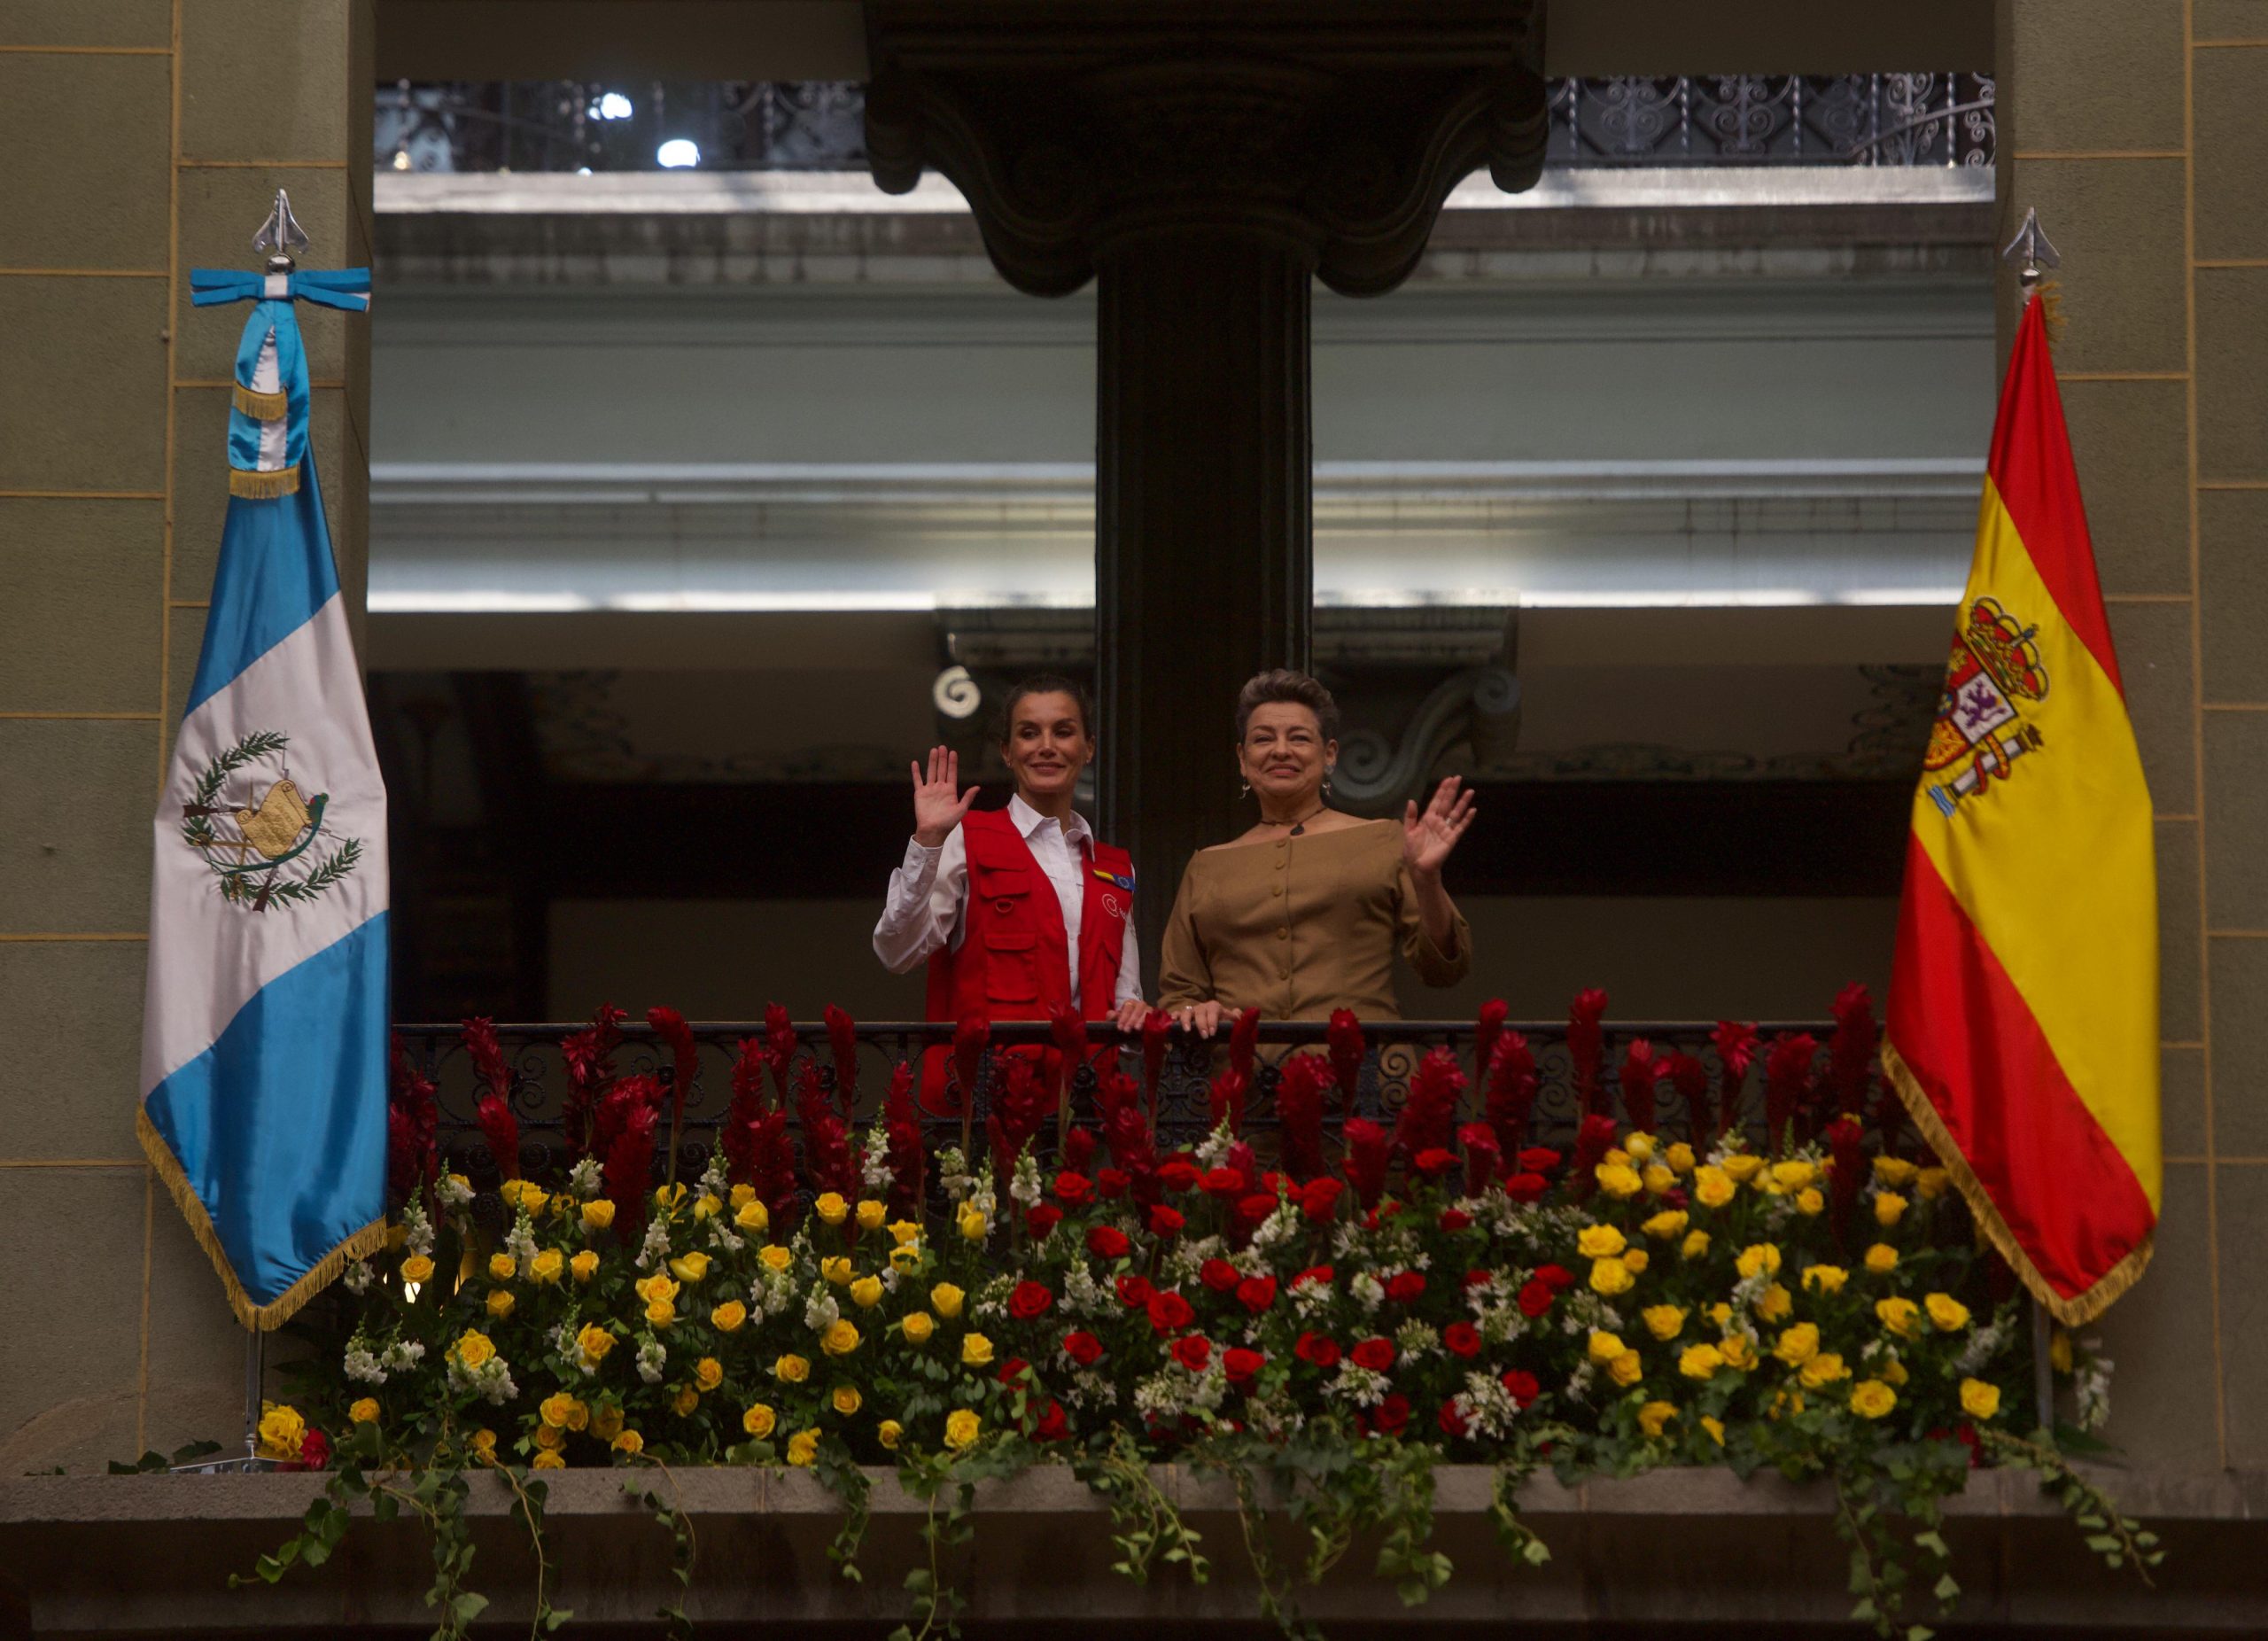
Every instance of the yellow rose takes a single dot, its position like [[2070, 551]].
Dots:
[[837, 1269], [668, 1198], [1742, 1168], [1715, 1427], [1670, 1223], [975, 1350], [1658, 1179], [1890, 1207], [1809, 1203], [1895, 1172], [1870, 1398], [483, 1445], [1773, 1303], [606, 1421], [593, 1343], [906, 1257], [802, 1449], [546, 1461], [1721, 1314], [792, 1368], [1826, 1278], [917, 1327], [584, 1265], [759, 1421], [905, 1232], [547, 1266], [945, 1300], [961, 1427], [1794, 1174], [502, 1267], [973, 1224], [741, 1195], [365, 1412], [499, 1303], [866, 1292], [1739, 1351], [706, 1207], [1654, 1415], [598, 1214], [1663, 1322], [1639, 1147], [1700, 1361], [658, 1286], [1610, 1277], [550, 1437], [473, 1349], [1600, 1242], [831, 1208], [1898, 1315], [1615, 1153], [728, 1318], [554, 1409], [417, 1268], [1894, 1371], [1948, 1313], [871, 1214], [1605, 1347], [524, 1194], [1824, 1369], [1680, 1157], [840, 1337], [888, 1433], [776, 1257], [847, 1400], [691, 1268], [1713, 1187], [282, 1430], [685, 1401], [752, 1216], [1619, 1179], [1882, 1259], [1932, 1183], [1979, 1399], [1757, 1257], [1636, 1261], [1695, 1244], [1626, 1370], [708, 1372], [1796, 1345], [631, 1443], [662, 1312]]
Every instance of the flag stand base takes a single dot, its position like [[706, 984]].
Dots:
[[249, 1460]]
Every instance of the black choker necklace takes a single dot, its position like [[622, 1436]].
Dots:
[[1300, 826]]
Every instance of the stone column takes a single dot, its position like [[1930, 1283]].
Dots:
[[1206, 184]]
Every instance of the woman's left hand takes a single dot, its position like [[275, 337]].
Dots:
[[1130, 1014], [1427, 837]]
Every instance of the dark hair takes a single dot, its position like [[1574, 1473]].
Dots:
[[1284, 685], [1047, 684]]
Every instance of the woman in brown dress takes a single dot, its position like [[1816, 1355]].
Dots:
[[1303, 914]]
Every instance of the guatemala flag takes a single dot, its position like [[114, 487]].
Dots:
[[264, 1032]]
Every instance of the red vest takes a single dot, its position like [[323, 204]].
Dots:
[[1014, 959]]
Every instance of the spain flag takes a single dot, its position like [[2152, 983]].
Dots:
[[2023, 1030]]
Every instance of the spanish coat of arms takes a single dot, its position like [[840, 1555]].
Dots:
[[1981, 729]]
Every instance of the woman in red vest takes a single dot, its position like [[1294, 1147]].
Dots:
[[1020, 911]]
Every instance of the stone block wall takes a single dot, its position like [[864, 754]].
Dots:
[[145, 137]]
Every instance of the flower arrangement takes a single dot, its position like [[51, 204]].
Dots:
[[1662, 1291]]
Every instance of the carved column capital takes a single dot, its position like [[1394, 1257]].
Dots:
[[1336, 129]]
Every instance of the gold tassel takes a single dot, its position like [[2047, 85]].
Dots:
[[263, 1319], [261, 407], [2050, 298], [264, 485], [2076, 1312]]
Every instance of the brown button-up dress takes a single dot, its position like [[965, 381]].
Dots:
[[1302, 926]]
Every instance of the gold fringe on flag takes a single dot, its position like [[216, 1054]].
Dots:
[[261, 407], [263, 485], [2076, 1312], [267, 1317]]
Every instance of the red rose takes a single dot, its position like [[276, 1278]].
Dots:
[[1521, 1386], [1315, 1273], [1052, 1427], [1455, 1219], [1083, 1347], [1256, 1292], [1253, 1208], [314, 1450], [1029, 1299], [1404, 1286], [1461, 1338], [1535, 1297], [1452, 1422], [1318, 1349], [1169, 1311], [1434, 1160], [1134, 1292], [1043, 1219], [1107, 1242], [1527, 1187], [1179, 1174], [1217, 1274], [1224, 1182], [1319, 1200], [1193, 1351], [1392, 1417], [1538, 1159], [1558, 1279], [1013, 1369], [1476, 1278], [1073, 1190], [1377, 1355], [1165, 1221], [1241, 1365], [1113, 1182]]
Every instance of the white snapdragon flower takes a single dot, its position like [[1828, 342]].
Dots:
[[655, 1252], [651, 1359], [453, 1191], [417, 1229], [358, 1277], [583, 1178]]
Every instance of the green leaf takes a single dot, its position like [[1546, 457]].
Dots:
[[467, 1606]]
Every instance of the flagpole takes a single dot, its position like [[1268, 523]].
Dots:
[[2043, 1366]]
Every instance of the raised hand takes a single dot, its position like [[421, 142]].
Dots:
[[937, 812], [1427, 837]]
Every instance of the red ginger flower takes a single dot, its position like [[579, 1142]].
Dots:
[[1226, 1099], [1243, 1041], [1069, 1030], [1846, 1172], [1586, 1049], [1509, 1092], [1344, 1034], [494, 1108], [1640, 1070], [589, 1057], [827, 1157], [780, 1046], [1157, 1033], [1787, 1079], [668, 1025], [413, 1119], [842, 1041], [971, 1032], [1690, 1078], [1850, 1051], [1369, 1151], [1735, 1047], [1592, 1140], [1486, 1029], [902, 1137], [1429, 1113], [1300, 1084], [1020, 1109], [630, 1168], [1481, 1158]]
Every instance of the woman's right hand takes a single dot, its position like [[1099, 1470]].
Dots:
[[1199, 1019], [937, 812]]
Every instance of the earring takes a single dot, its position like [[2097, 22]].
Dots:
[[1327, 786], [1244, 789]]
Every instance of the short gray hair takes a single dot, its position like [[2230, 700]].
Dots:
[[1282, 684]]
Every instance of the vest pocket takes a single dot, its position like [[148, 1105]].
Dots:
[[1011, 965]]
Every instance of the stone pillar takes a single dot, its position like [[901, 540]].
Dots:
[[147, 137], [1206, 187], [2136, 131]]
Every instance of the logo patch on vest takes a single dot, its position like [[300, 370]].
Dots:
[[1123, 880]]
